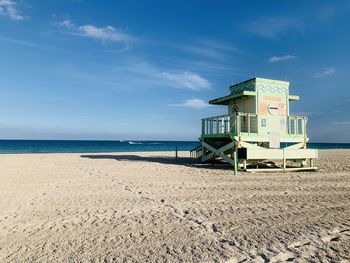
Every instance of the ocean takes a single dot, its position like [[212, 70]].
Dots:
[[75, 146]]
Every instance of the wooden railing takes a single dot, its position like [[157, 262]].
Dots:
[[247, 124], [216, 125], [224, 124], [196, 152]]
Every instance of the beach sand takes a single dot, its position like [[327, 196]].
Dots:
[[145, 207]]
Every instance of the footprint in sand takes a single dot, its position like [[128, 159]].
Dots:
[[330, 238], [283, 257], [298, 244], [335, 235], [270, 256]]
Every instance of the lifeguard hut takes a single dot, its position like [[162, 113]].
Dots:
[[257, 129]]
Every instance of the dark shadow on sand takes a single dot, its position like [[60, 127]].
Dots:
[[184, 161]]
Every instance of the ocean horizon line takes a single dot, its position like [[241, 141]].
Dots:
[[141, 140], [10, 146]]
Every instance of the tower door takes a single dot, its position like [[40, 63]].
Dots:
[[274, 127]]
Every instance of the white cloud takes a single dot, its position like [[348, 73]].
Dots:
[[274, 59], [146, 72], [8, 8], [66, 23], [324, 73], [186, 80], [192, 103], [108, 33]]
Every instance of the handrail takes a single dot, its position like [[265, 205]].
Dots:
[[216, 125], [198, 147], [218, 116], [196, 152], [247, 124]]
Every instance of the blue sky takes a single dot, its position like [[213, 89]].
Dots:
[[75, 69]]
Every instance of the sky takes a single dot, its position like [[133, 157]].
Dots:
[[79, 69]]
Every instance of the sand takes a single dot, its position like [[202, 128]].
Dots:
[[145, 207]]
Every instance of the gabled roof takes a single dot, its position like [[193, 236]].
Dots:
[[293, 97], [260, 80], [226, 99]]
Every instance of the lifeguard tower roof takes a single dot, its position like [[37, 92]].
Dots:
[[250, 87], [257, 126]]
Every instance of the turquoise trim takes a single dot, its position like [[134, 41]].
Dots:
[[272, 89]]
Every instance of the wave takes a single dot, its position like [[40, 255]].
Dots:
[[131, 142]]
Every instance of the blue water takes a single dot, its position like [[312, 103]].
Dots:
[[69, 146], [75, 146]]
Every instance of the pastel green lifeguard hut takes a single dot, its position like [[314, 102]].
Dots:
[[257, 128]]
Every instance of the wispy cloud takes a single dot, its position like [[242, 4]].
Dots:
[[201, 51], [129, 75], [148, 73], [154, 76], [187, 80], [274, 27], [274, 59], [66, 23], [227, 70], [105, 34], [208, 48], [192, 103], [9, 8], [26, 43], [108, 33], [340, 122], [324, 73]]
